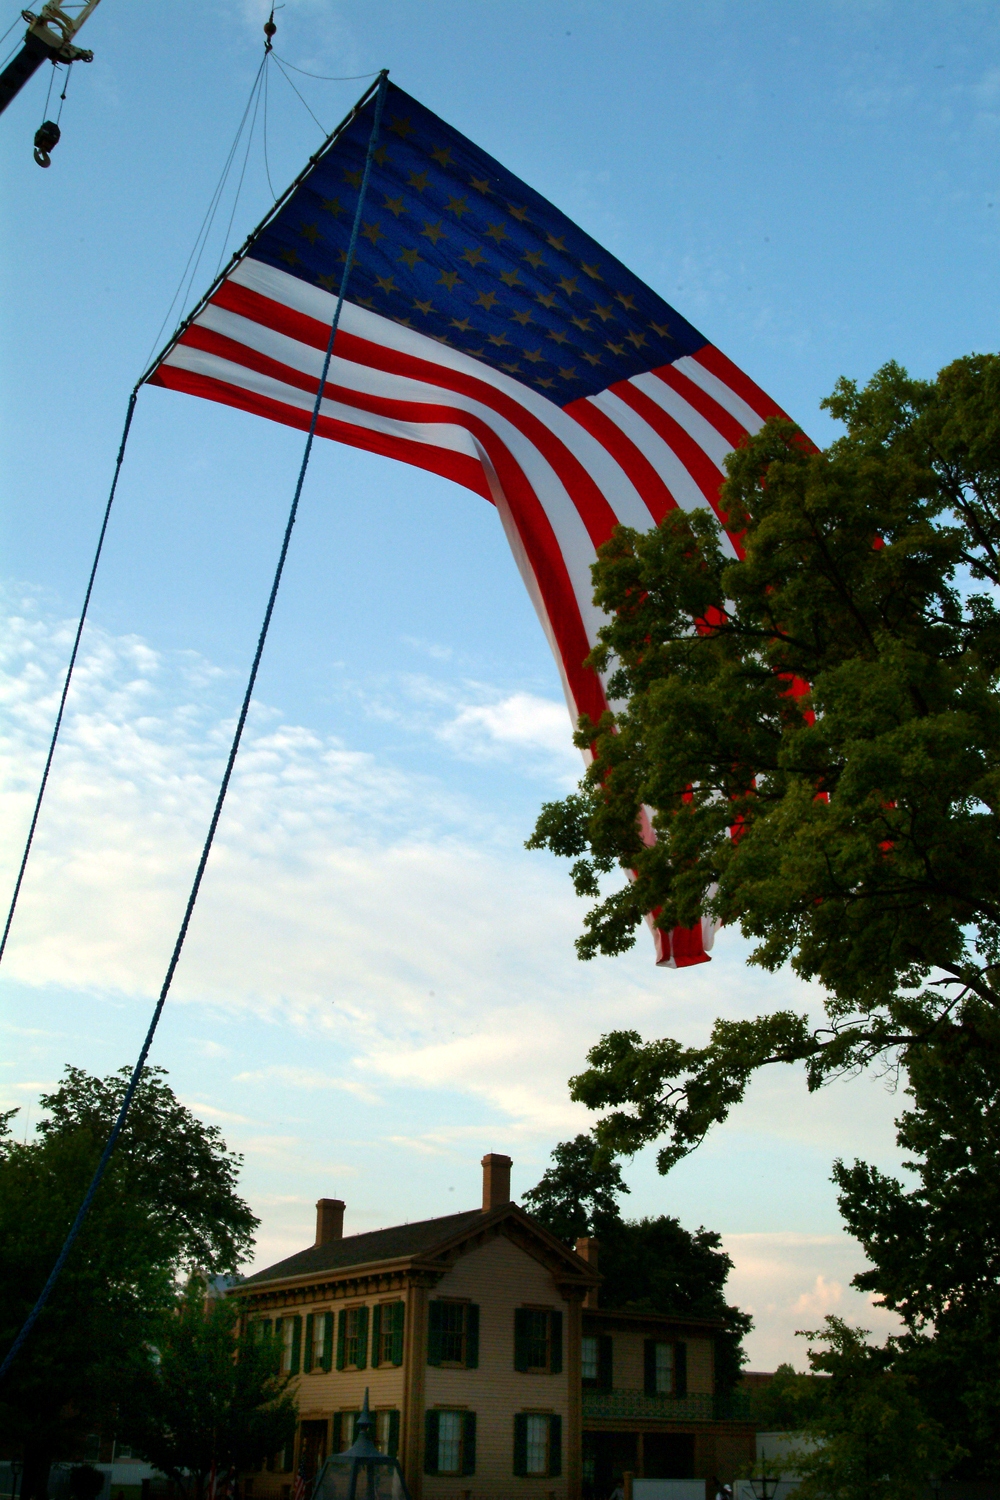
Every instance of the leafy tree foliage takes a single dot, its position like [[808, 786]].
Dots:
[[816, 731], [648, 1265], [875, 1440], [789, 1402], [206, 1396], [934, 1248], [167, 1202]]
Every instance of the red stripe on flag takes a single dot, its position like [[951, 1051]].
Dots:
[[723, 421], [703, 471], [595, 511], [723, 369], [450, 465], [634, 463], [539, 540]]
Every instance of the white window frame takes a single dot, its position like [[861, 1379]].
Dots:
[[666, 1369], [537, 1440], [455, 1441], [590, 1357]]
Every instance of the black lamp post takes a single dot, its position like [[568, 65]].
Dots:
[[362, 1473], [760, 1485], [15, 1469]]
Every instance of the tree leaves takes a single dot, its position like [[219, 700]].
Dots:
[[813, 734]]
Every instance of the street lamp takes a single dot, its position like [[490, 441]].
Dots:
[[760, 1485], [362, 1473], [15, 1468]]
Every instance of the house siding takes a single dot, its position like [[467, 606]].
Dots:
[[500, 1277]]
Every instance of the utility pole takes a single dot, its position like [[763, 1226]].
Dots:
[[49, 37]]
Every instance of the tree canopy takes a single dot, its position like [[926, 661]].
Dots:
[[648, 1265], [168, 1202], [814, 727], [206, 1397], [934, 1244]]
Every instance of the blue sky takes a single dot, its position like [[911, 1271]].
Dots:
[[380, 983]]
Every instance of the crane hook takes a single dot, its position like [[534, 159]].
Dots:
[[269, 30], [46, 140]]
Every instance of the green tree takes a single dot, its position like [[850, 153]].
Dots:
[[789, 1402], [934, 1248], [648, 1265], [875, 1441], [207, 1396], [168, 1202], [816, 731]]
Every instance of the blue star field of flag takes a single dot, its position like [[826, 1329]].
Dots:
[[454, 245]]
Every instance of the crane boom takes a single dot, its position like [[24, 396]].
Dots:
[[49, 37]]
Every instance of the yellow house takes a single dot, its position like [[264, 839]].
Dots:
[[491, 1370]]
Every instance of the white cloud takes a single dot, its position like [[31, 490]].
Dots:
[[518, 722], [307, 1078], [792, 1281]]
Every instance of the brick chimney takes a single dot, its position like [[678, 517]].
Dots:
[[496, 1181], [587, 1250], [329, 1220]]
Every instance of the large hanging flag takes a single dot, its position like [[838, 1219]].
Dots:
[[489, 339]]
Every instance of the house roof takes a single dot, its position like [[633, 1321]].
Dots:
[[429, 1243], [396, 1243]]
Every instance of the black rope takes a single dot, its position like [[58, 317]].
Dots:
[[69, 673], [223, 789]]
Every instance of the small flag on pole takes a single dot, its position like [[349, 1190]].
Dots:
[[489, 339]]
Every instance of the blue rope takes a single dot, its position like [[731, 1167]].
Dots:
[[223, 789], [69, 675]]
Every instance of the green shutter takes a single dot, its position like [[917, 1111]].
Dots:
[[521, 1443], [363, 1337], [288, 1457], [649, 1366], [605, 1362], [398, 1318], [280, 1356], [307, 1353], [555, 1342], [521, 1340], [433, 1339], [376, 1333], [431, 1425], [338, 1430], [555, 1447], [680, 1369], [393, 1433], [327, 1340], [296, 1364], [472, 1336], [341, 1332], [468, 1442]]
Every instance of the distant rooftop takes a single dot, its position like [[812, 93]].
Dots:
[[362, 1249]]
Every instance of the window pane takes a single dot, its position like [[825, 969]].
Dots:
[[452, 1333], [317, 1348], [383, 1354], [347, 1421], [664, 1369], [589, 1358], [450, 1442], [352, 1341], [537, 1334], [287, 1335], [382, 1431], [538, 1445]]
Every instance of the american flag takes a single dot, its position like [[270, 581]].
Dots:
[[299, 1487], [489, 339]]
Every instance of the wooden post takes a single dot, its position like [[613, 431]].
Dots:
[[414, 1366]]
